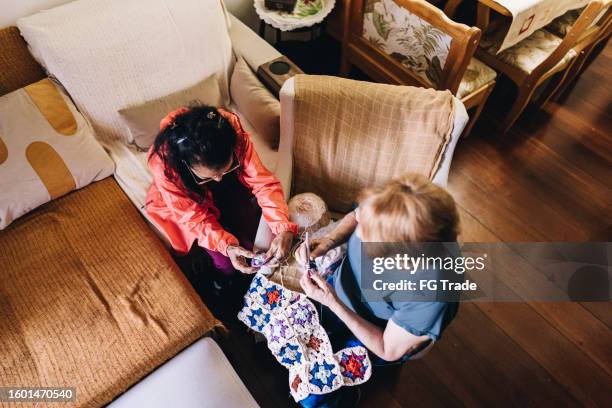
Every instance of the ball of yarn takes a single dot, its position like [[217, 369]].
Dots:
[[308, 211]]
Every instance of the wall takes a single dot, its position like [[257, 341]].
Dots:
[[11, 10], [243, 10]]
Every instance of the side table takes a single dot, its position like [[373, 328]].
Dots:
[[306, 16]]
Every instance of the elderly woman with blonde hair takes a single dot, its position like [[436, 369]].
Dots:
[[408, 209]]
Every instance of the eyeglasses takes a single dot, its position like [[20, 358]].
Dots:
[[200, 181]]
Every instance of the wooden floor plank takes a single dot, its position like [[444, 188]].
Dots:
[[601, 310], [548, 203], [471, 196], [523, 373], [412, 384], [586, 331], [566, 362], [451, 362], [573, 320]]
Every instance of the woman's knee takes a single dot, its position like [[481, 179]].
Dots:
[[222, 264]]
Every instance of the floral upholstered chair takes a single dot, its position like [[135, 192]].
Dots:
[[562, 25], [599, 31], [411, 42], [535, 59]]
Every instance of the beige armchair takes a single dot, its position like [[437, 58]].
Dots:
[[285, 165]]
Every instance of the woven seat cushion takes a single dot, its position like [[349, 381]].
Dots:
[[90, 298], [476, 76], [527, 54], [562, 25]]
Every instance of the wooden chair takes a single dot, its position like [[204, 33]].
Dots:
[[535, 59], [411, 42], [599, 32]]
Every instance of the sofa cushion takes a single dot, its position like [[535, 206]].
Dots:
[[186, 381], [47, 149], [256, 103], [110, 54], [562, 25], [142, 121], [528, 54], [477, 74]]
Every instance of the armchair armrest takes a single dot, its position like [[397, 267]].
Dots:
[[272, 68], [284, 166], [274, 73], [247, 44]]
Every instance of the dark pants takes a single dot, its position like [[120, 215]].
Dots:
[[203, 268], [240, 216]]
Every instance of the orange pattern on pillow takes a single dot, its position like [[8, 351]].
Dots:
[[51, 169], [3, 151], [52, 106]]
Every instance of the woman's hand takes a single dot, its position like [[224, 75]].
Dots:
[[280, 246], [318, 247], [316, 288], [238, 255]]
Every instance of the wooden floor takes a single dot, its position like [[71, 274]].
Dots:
[[549, 179]]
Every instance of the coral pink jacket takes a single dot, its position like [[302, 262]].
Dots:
[[184, 220]]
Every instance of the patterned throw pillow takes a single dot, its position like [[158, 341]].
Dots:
[[47, 149], [407, 38]]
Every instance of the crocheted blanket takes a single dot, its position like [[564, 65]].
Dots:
[[290, 324]]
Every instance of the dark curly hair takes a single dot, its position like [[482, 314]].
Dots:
[[199, 136]]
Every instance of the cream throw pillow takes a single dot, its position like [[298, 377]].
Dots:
[[143, 120], [110, 54], [256, 103], [47, 149]]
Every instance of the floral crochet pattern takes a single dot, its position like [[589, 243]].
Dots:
[[290, 323], [353, 366]]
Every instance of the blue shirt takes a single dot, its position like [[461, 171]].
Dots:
[[419, 318]]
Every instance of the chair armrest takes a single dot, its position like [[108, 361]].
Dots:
[[247, 44], [284, 166], [459, 122], [272, 67], [276, 72]]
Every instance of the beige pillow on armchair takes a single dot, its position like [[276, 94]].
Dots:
[[256, 103]]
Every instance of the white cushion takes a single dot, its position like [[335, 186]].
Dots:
[[267, 154], [110, 54], [142, 121], [198, 377], [477, 74], [528, 54], [256, 103], [250, 46], [47, 149], [563, 24]]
